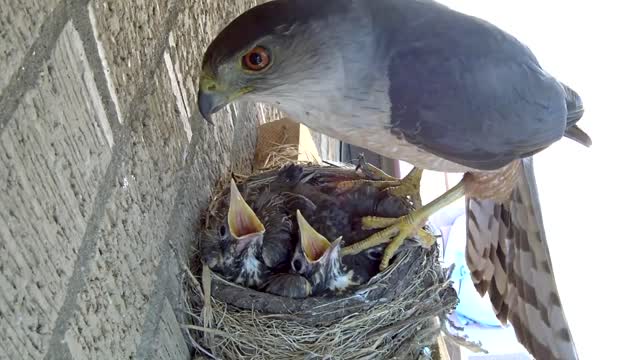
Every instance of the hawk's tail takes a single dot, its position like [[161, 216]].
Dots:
[[575, 110], [508, 257]]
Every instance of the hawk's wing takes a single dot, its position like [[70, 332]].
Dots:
[[508, 257], [464, 90]]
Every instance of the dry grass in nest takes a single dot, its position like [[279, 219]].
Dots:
[[395, 315], [377, 321], [280, 155]]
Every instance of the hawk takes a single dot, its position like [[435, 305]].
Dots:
[[442, 90]]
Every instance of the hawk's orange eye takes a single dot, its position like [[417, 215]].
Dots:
[[256, 59]]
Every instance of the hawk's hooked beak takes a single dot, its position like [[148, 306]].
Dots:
[[212, 96], [313, 244], [210, 103], [244, 225]]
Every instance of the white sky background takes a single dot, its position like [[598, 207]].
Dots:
[[588, 196]]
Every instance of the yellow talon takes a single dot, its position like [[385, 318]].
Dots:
[[378, 184], [394, 245], [379, 238], [409, 186], [376, 222], [426, 238], [403, 227]]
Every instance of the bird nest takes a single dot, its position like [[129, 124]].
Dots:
[[396, 314]]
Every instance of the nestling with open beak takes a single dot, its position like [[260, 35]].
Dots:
[[319, 261], [249, 243]]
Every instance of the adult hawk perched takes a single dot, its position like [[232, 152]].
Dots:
[[419, 82]]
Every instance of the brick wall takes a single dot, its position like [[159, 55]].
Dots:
[[106, 164]]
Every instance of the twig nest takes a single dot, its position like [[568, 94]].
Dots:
[[393, 315]]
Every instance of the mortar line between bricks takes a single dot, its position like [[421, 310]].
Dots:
[[86, 251], [80, 17], [150, 327], [151, 319], [26, 76], [118, 160]]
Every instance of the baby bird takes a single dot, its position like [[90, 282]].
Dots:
[[319, 261], [247, 243], [288, 285], [270, 232]]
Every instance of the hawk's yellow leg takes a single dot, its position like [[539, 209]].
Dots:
[[403, 227], [408, 186]]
